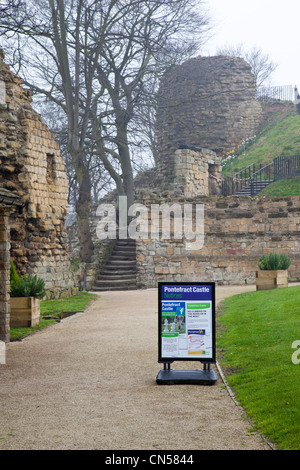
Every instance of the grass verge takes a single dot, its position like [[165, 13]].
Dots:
[[282, 139], [51, 312], [256, 332], [282, 188]]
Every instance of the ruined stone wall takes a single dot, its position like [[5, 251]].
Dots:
[[206, 102], [237, 231], [31, 165], [194, 170]]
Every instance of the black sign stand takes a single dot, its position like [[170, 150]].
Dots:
[[168, 376]]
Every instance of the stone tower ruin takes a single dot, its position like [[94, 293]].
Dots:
[[206, 102], [31, 166]]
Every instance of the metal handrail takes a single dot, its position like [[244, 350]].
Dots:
[[243, 169], [261, 169], [237, 184], [287, 156]]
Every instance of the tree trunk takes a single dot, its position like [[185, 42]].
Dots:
[[83, 205], [83, 209], [126, 166]]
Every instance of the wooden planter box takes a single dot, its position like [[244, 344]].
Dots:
[[271, 279], [24, 312]]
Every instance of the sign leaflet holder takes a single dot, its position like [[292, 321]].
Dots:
[[186, 331]]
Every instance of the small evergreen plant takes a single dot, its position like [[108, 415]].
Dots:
[[26, 286], [274, 261], [14, 278]]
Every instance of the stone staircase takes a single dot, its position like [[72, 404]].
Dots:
[[120, 270], [257, 186]]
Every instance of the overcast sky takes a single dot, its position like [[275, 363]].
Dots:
[[271, 25]]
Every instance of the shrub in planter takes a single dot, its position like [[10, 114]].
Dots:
[[25, 293], [273, 271], [28, 286], [274, 261]]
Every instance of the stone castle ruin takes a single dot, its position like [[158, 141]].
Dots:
[[206, 102], [32, 167], [206, 108]]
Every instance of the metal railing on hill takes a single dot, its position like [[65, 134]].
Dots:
[[254, 178], [277, 93]]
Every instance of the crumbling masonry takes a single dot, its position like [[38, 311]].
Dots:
[[31, 166]]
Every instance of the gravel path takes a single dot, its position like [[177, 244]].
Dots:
[[88, 382]]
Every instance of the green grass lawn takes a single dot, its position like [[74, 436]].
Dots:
[[282, 139], [51, 312], [282, 188], [255, 334], [54, 307]]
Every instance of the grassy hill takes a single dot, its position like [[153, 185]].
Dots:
[[282, 188], [279, 135]]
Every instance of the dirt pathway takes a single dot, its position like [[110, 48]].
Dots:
[[88, 382]]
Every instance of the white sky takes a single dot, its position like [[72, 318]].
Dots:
[[271, 25]]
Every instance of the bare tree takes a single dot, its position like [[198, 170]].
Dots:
[[93, 60], [142, 48], [261, 64], [48, 56], [9, 5]]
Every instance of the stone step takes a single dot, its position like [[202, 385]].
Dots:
[[113, 277], [114, 288], [262, 181], [130, 252], [113, 262], [109, 268], [120, 270], [125, 246], [125, 242], [256, 188], [126, 254], [125, 250], [117, 256], [115, 282], [120, 274], [244, 192], [121, 262]]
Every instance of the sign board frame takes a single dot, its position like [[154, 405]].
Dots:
[[191, 300]]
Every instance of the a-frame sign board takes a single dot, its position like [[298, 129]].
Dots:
[[186, 331]]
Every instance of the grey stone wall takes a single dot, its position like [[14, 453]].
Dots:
[[237, 231]]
